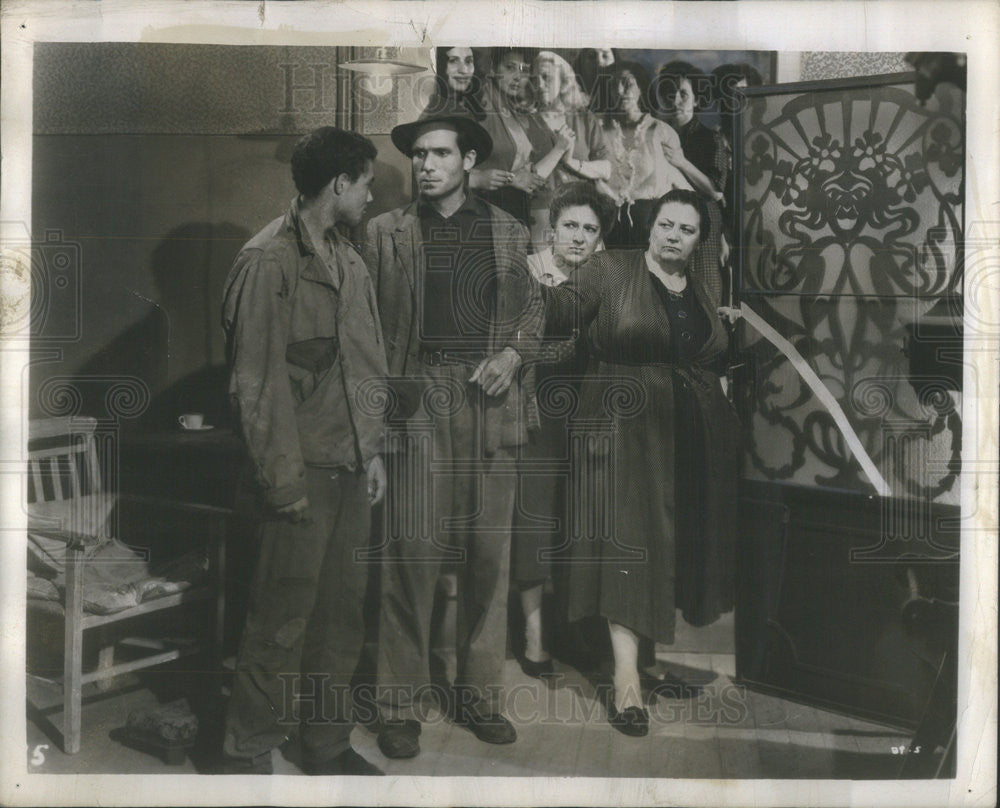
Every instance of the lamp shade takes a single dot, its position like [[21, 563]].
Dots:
[[382, 64]]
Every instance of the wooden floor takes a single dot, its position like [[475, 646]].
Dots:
[[726, 731]]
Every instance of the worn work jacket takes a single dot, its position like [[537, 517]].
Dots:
[[394, 256], [305, 350]]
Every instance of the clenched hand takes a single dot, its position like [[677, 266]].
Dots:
[[495, 373]]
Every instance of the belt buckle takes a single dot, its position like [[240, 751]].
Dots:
[[432, 358]]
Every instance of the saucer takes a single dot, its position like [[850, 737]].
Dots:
[[201, 428]]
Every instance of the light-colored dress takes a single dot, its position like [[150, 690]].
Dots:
[[639, 168]]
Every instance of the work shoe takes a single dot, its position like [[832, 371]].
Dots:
[[348, 763], [490, 729], [398, 738]]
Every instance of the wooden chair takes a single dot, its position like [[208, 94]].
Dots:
[[67, 500]]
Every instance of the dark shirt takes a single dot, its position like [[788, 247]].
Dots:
[[459, 289], [707, 149]]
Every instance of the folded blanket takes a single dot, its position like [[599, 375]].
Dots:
[[115, 576]]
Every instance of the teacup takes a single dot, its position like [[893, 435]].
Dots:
[[191, 420]]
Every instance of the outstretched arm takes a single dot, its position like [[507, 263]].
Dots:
[[571, 306]]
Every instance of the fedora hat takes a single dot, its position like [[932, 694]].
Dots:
[[451, 116]]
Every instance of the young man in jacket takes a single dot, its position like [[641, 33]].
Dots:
[[463, 319], [305, 349]]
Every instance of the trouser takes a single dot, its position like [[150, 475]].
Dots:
[[305, 626], [448, 504]]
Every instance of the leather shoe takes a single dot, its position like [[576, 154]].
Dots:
[[537, 670], [399, 738], [347, 763], [490, 729], [632, 721]]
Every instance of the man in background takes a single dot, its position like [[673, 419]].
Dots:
[[304, 347]]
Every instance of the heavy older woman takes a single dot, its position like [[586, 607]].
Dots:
[[658, 523], [562, 105], [579, 217]]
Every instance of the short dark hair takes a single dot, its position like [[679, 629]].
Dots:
[[669, 76], [326, 153], [684, 196], [581, 193]]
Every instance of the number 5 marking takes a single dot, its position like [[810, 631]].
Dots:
[[38, 755]]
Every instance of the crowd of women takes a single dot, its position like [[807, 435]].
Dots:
[[604, 120], [626, 195]]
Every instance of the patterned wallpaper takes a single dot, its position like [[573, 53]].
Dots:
[[142, 88], [840, 65]]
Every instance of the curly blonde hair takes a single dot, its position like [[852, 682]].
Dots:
[[571, 94]]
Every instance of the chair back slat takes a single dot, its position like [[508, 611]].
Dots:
[[94, 475], [35, 465], [55, 468], [75, 488], [66, 491], [62, 460]]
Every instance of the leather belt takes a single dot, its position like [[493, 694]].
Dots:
[[450, 357]]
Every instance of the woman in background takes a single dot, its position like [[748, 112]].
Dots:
[[562, 106], [681, 91], [595, 70], [647, 159], [456, 81], [523, 156], [579, 217]]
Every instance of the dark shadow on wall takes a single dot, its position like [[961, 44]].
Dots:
[[176, 348], [391, 189]]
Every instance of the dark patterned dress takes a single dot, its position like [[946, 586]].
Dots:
[[653, 494]]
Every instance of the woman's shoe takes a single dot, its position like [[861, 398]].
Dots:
[[632, 721], [538, 670], [669, 686]]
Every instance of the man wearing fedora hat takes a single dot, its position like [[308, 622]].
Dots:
[[462, 320]]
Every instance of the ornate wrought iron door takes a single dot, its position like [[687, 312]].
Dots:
[[851, 219]]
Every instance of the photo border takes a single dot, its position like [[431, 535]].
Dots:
[[781, 25]]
